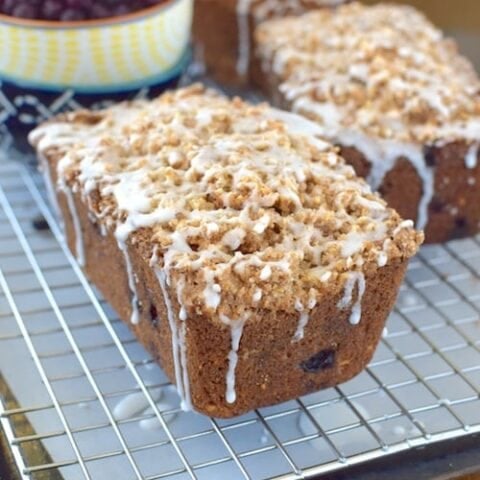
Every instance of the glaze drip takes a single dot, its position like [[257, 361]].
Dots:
[[302, 323], [353, 279], [389, 87], [132, 284], [77, 226], [471, 159], [236, 331], [178, 344], [52, 197], [243, 25]]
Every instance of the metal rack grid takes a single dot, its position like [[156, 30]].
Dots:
[[72, 364]]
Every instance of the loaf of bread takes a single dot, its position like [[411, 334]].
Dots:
[[245, 255], [386, 86], [223, 32]]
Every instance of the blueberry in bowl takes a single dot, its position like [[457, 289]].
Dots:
[[58, 55]]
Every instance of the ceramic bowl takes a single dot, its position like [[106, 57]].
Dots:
[[49, 67]]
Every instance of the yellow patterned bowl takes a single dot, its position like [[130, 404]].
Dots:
[[47, 67]]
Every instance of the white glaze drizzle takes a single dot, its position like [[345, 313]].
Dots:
[[405, 224], [265, 273], [304, 318], [382, 155], [179, 333], [243, 25], [471, 159], [353, 278], [302, 323], [182, 315], [394, 151], [236, 332], [212, 290], [257, 295], [178, 343], [383, 256], [132, 284], [77, 226]]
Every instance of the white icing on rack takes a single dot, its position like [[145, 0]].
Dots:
[[358, 279], [135, 403], [230, 197], [387, 110], [236, 332]]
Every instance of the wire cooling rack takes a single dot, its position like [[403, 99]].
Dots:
[[86, 401]]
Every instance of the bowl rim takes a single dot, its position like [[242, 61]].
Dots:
[[58, 25]]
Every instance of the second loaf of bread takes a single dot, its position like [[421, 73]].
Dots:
[[393, 92]]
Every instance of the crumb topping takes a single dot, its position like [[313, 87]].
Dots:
[[384, 70], [247, 199]]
